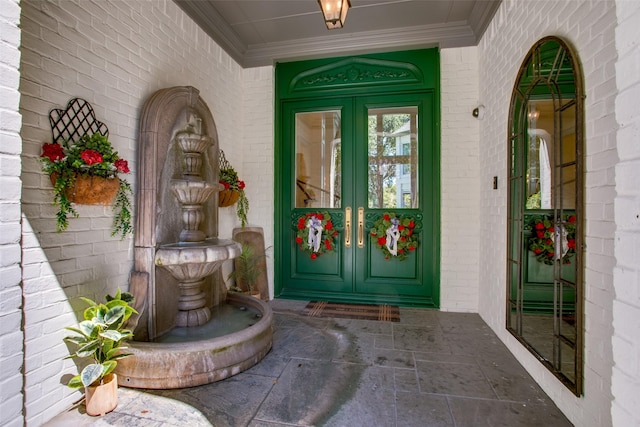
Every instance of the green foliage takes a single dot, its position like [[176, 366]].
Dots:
[[247, 267], [122, 211], [242, 208], [99, 337], [91, 155]]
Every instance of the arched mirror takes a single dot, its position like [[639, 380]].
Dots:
[[545, 210]]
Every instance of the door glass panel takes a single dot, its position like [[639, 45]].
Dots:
[[318, 159], [393, 157]]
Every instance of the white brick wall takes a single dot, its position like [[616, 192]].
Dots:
[[11, 335], [258, 151], [114, 54], [460, 183], [589, 27], [625, 381]]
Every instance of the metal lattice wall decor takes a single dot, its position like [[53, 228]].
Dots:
[[77, 120]]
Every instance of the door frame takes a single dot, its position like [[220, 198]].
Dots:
[[408, 72]]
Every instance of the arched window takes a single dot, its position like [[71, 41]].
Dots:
[[545, 209]]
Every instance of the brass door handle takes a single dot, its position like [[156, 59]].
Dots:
[[347, 227], [361, 227]]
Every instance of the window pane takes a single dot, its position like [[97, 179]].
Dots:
[[393, 157], [318, 160]]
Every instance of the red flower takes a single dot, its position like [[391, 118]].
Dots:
[[400, 227], [298, 240], [400, 250], [571, 243], [411, 224], [373, 233], [335, 233], [537, 251], [226, 184], [412, 248], [122, 165], [382, 240], [329, 226], [540, 234], [301, 224], [403, 239], [241, 185], [410, 232], [548, 242], [539, 226], [571, 219], [327, 243], [551, 229], [386, 217], [314, 255], [320, 216], [91, 157], [52, 151], [550, 254]]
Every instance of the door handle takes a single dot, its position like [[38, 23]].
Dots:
[[347, 226], [361, 227]]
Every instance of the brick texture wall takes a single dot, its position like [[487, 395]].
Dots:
[[626, 276], [258, 149], [460, 183], [589, 26], [11, 335], [115, 55]]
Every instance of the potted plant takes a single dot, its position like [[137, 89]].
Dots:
[[233, 190], [247, 269], [99, 338], [86, 171]]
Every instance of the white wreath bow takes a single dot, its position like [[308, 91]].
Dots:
[[315, 233], [393, 234]]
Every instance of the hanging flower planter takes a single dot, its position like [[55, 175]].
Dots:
[[84, 167], [233, 190], [90, 190], [228, 198]]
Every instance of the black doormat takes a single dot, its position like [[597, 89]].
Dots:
[[384, 312]]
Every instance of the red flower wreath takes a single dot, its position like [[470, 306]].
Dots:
[[327, 235], [542, 243], [407, 237]]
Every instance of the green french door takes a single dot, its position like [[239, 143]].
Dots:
[[346, 164]]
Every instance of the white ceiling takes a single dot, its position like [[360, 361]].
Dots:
[[261, 32]]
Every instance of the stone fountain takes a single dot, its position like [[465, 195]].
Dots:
[[176, 279]]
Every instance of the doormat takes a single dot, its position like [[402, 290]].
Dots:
[[388, 313]]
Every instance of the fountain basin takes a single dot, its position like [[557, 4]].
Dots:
[[193, 261], [188, 364]]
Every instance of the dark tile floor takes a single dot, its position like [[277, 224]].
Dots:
[[430, 369]]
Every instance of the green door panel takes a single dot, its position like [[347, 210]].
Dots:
[[324, 110]]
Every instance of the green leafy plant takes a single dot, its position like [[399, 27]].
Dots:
[[247, 268], [99, 337], [91, 155], [228, 177], [401, 227]]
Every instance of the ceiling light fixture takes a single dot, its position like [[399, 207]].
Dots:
[[334, 12]]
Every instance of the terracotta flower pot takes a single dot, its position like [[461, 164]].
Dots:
[[103, 398], [228, 197], [91, 190]]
